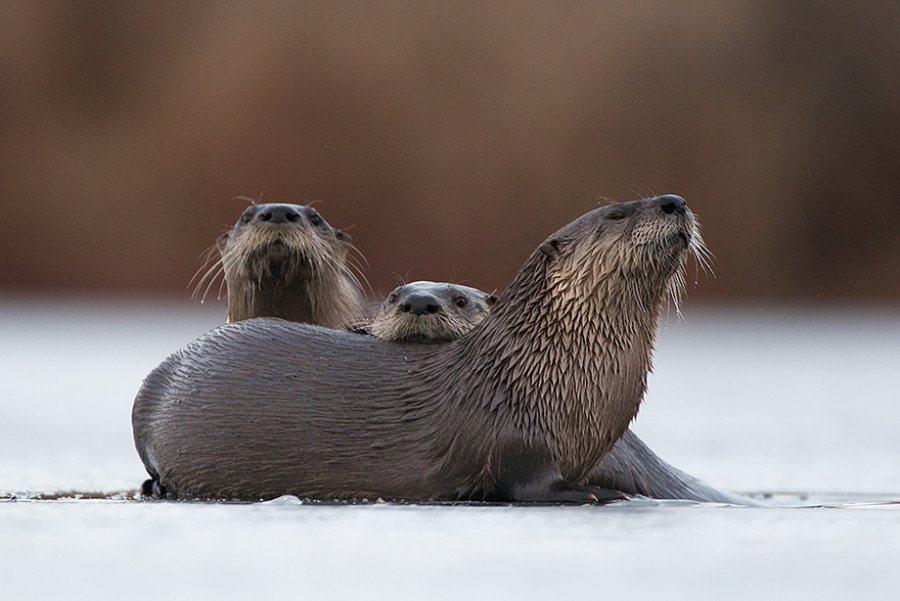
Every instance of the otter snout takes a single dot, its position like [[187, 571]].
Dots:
[[274, 213], [420, 304], [672, 204]]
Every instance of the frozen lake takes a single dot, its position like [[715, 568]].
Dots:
[[803, 403]]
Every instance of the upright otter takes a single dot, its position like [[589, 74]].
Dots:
[[523, 408], [284, 260], [434, 312]]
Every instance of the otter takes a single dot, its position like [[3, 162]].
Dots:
[[430, 312], [435, 312], [521, 409], [285, 260]]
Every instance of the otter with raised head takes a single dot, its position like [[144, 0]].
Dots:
[[434, 312], [523, 408], [284, 260]]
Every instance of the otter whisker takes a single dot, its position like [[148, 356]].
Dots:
[[356, 271], [210, 252], [703, 256], [676, 290], [223, 283], [352, 276], [205, 259], [209, 276], [360, 326], [226, 266], [361, 255], [355, 262], [223, 269], [211, 281]]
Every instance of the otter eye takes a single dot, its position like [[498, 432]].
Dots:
[[392, 299], [461, 301], [246, 217], [616, 215], [315, 220]]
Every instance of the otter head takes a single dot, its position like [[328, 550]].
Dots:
[[285, 260], [586, 303], [622, 256], [430, 311]]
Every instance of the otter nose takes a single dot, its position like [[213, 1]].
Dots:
[[670, 203], [278, 214], [420, 304]]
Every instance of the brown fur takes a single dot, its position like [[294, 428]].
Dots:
[[630, 467], [296, 270], [521, 409]]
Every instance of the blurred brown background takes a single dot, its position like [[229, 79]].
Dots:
[[452, 136]]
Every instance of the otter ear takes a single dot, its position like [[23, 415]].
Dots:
[[343, 236], [221, 241], [491, 299], [550, 248]]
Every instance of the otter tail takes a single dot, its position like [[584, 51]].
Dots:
[[631, 467]]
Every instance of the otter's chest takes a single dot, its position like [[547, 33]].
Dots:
[[593, 413]]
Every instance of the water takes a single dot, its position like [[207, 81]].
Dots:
[[800, 403]]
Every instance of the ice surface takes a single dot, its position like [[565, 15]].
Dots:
[[751, 400]]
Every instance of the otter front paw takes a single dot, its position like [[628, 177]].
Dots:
[[567, 492], [562, 491]]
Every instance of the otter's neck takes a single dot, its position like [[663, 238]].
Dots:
[[317, 300], [568, 361]]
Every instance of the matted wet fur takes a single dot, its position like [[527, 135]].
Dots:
[[522, 408], [285, 260], [431, 312]]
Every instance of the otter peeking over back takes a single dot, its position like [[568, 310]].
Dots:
[[522, 408], [430, 312], [285, 260]]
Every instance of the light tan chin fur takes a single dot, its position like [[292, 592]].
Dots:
[[325, 281], [398, 326]]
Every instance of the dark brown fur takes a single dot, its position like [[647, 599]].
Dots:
[[523, 408]]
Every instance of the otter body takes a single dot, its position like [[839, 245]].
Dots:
[[433, 312], [523, 408], [302, 428]]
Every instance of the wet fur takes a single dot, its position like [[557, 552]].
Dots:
[[630, 467], [295, 271], [522, 408]]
